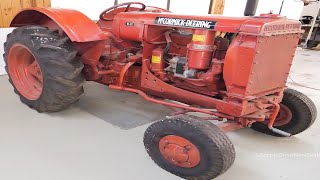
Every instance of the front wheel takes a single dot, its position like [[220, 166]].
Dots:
[[188, 147], [43, 68], [297, 113]]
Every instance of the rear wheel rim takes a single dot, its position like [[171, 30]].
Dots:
[[179, 151], [25, 72]]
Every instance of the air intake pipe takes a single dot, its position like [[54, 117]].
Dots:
[[251, 7]]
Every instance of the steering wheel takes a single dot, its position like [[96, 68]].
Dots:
[[128, 4]]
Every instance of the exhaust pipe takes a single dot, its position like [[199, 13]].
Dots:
[[251, 7]]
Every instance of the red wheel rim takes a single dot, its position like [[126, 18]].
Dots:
[[179, 151], [25, 72], [284, 116]]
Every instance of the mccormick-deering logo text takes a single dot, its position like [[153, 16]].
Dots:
[[185, 22], [282, 27]]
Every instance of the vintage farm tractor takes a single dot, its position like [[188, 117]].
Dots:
[[232, 69]]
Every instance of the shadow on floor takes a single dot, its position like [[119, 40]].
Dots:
[[123, 109]]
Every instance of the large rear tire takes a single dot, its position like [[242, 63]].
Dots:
[[43, 68], [188, 147], [299, 114]]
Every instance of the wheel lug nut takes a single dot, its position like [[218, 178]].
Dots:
[[187, 147]]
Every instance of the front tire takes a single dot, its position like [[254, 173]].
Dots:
[[188, 147], [43, 68], [300, 111]]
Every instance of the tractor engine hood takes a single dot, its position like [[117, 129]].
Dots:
[[130, 25]]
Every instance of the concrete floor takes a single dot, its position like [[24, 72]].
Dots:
[[101, 138]]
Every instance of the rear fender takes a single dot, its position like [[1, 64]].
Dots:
[[77, 26]]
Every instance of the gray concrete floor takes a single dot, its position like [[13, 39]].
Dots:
[[101, 138]]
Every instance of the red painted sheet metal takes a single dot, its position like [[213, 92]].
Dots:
[[260, 25], [223, 23], [76, 25]]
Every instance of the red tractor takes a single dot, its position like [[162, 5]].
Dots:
[[232, 69]]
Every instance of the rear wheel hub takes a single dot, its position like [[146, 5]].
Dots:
[[179, 151], [25, 72]]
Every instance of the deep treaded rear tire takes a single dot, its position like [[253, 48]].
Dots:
[[61, 69], [303, 110], [216, 150]]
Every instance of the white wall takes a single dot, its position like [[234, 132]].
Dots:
[[311, 10], [3, 37], [190, 7], [234, 7], [91, 8], [291, 8]]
